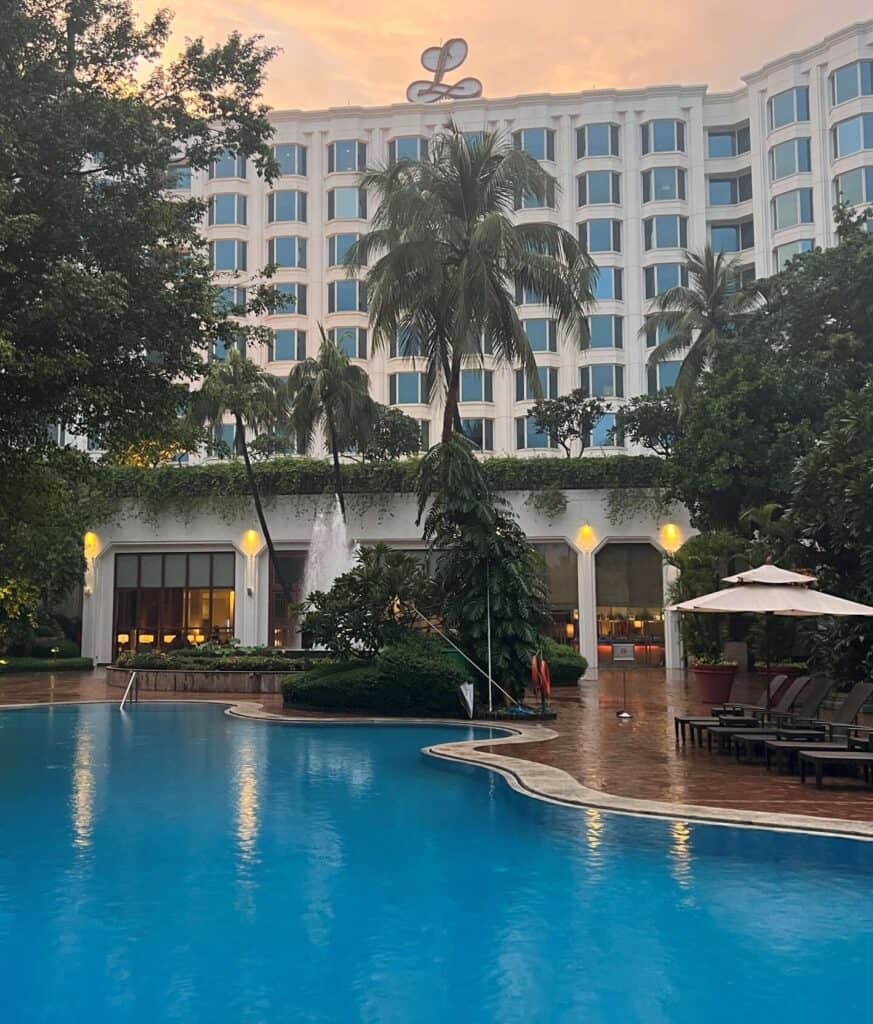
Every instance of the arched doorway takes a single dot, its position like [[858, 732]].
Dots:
[[630, 601]]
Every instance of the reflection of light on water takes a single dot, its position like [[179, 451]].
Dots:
[[595, 839], [680, 853], [246, 800], [82, 799], [593, 828]]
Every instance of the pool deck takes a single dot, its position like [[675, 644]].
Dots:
[[634, 766]]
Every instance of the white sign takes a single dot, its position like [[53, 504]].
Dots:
[[623, 652]]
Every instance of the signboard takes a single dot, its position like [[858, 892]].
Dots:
[[438, 60], [623, 652]]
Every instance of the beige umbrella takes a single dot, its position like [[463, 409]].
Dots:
[[769, 590]]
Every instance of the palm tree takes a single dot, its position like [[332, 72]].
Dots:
[[332, 393], [254, 399], [700, 317], [447, 254]]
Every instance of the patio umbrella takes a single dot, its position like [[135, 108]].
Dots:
[[769, 590]]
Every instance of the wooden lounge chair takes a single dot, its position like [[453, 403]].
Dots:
[[820, 759], [681, 722], [836, 733], [728, 725]]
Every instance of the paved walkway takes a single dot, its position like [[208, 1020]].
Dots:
[[637, 758]]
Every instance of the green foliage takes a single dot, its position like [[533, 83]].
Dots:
[[188, 661], [394, 435], [43, 518], [550, 502], [699, 319], [568, 419], [9, 665], [479, 554], [566, 666], [748, 422], [830, 509], [651, 421], [106, 295], [415, 677], [703, 561], [445, 250], [771, 392], [370, 606], [333, 394], [223, 487]]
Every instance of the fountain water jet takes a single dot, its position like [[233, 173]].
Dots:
[[331, 553]]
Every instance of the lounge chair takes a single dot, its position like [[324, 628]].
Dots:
[[820, 759], [681, 722], [730, 724], [837, 733]]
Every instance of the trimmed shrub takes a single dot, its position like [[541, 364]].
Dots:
[[565, 664], [415, 677], [187, 661], [8, 665], [54, 646]]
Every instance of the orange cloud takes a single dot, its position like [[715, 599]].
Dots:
[[336, 52]]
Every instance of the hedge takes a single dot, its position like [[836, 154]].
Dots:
[[416, 677], [175, 488], [565, 665], [186, 660], [45, 665]]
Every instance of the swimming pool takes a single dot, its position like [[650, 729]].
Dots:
[[174, 864]]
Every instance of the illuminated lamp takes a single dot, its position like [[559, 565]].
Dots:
[[671, 538], [251, 542], [147, 638], [91, 544], [586, 538], [123, 638], [569, 630]]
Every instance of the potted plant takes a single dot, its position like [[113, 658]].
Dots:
[[714, 677]]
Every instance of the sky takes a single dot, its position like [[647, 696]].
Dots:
[[339, 52]]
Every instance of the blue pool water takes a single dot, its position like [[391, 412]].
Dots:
[[174, 864]]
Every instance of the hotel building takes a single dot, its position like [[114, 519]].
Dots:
[[643, 175]]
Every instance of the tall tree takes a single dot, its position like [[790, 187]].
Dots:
[[332, 394], [255, 400], [482, 562], [444, 253], [698, 318], [106, 295]]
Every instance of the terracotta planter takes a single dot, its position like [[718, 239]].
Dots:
[[714, 682]]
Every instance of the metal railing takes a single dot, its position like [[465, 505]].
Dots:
[[128, 696]]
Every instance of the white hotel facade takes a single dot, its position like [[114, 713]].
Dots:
[[643, 176]]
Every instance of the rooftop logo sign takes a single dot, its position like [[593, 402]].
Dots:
[[439, 60]]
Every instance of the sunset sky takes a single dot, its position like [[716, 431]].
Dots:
[[336, 52]]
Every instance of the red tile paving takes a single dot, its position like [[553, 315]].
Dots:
[[638, 758]]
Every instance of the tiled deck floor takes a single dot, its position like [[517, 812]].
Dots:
[[640, 758], [637, 758]]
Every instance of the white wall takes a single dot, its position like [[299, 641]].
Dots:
[[371, 518]]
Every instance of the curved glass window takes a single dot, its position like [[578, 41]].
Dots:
[[788, 106]]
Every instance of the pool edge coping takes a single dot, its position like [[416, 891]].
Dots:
[[531, 779]]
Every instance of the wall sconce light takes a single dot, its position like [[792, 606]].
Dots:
[[586, 538], [251, 542], [570, 630], [671, 538]]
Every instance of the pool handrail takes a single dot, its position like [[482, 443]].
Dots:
[[127, 694]]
